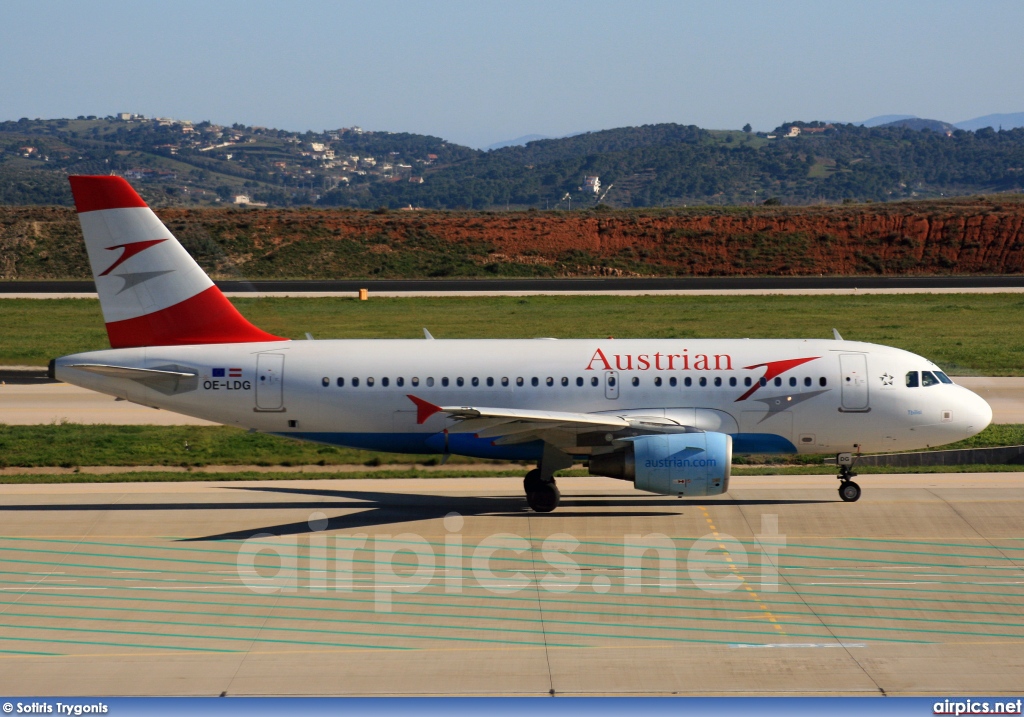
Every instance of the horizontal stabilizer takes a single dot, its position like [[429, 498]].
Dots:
[[136, 374]]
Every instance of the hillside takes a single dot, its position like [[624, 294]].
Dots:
[[178, 163], [965, 236]]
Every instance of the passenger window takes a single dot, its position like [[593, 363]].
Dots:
[[430, 381], [672, 381], [912, 379], [459, 381], [928, 379], [341, 382], [792, 380], [747, 381], [822, 381], [355, 382], [444, 380], [549, 381], [703, 381], [594, 381], [732, 380], [400, 381], [475, 381], [490, 381], [718, 380], [943, 377], [384, 381], [636, 381], [325, 381], [763, 381], [688, 381], [534, 381], [657, 380], [369, 381], [519, 381], [579, 380], [504, 380], [611, 380], [807, 380], [565, 380], [415, 380], [778, 381]]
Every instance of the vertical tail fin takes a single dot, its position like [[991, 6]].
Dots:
[[151, 291]]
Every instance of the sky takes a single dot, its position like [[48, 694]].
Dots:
[[477, 72]]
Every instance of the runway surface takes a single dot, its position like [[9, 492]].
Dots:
[[40, 403], [526, 287], [757, 283], [146, 589]]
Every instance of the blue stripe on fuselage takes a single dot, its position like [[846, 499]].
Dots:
[[462, 444], [465, 444]]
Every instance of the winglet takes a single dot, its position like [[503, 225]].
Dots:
[[424, 409], [427, 335], [835, 333]]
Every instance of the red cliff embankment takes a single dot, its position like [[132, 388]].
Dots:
[[965, 236]]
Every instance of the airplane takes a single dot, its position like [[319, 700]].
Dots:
[[664, 414]]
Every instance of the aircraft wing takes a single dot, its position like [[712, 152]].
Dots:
[[514, 425]]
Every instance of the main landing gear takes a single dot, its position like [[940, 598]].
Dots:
[[541, 492], [848, 490], [542, 495]]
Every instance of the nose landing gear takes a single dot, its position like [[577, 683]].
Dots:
[[849, 491]]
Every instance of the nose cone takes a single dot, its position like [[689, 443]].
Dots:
[[976, 411]]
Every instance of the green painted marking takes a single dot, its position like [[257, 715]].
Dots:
[[62, 641], [742, 604], [30, 652], [184, 637]]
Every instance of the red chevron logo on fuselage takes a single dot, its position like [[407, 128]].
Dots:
[[773, 369], [130, 250]]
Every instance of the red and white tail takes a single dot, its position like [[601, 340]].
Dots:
[[151, 291]]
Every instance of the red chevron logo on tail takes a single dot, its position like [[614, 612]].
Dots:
[[130, 250]]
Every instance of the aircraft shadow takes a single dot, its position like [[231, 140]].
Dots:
[[392, 508], [375, 509]]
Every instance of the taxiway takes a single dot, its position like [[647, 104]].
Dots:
[[160, 589]]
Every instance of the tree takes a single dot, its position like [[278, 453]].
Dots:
[[747, 128]]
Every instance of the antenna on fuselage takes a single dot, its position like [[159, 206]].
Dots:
[[835, 333], [427, 334]]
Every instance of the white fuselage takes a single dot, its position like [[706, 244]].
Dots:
[[827, 396]]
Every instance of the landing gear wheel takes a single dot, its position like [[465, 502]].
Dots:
[[532, 481], [544, 497], [849, 491]]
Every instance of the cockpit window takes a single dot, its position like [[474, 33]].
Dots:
[[912, 379], [943, 377], [928, 379]]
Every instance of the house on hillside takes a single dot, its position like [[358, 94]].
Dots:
[[591, 184]]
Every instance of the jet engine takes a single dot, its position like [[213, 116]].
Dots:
[[680, 464]]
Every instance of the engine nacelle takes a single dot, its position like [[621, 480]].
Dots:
[[680, 464]]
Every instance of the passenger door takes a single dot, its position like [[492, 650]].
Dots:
[[854, 377], [270, 382]]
